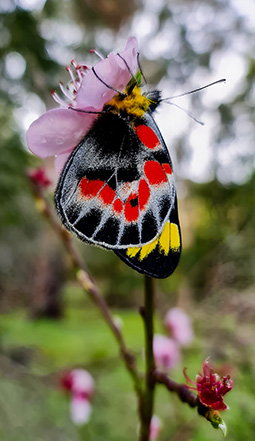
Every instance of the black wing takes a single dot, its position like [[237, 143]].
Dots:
[[117, 188]]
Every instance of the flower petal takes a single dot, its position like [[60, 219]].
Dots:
[[82, 382], [61, 159], [113, 71], [80, 410], [130, 54], [155, 427], [166, 352], [58, 131], [179, 324]]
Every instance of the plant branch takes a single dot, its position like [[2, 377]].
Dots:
[[146, 410], [183, 392], [185, 395], [88, 285]]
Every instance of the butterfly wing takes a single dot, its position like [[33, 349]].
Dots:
[[117, 191], [160, 257], [114, 191]]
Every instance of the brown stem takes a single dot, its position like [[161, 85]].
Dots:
[[146, 409], [89, 285], [181, 390]]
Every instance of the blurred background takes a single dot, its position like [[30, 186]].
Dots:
[[47, 325]]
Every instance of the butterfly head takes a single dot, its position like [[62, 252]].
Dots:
[[133, 102]]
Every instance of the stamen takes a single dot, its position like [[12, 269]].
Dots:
[[69, 70], [65, 91], [58, 100], [93, 51], [70, 88], [80, 70]]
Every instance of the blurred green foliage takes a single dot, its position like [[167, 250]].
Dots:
[[34, 355], [181, 44]]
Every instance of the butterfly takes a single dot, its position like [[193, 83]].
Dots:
[[117, 189]]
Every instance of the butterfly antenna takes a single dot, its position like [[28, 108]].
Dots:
[[131, 73], [107, 85], [127, 66], [185, 111], [223, 80]]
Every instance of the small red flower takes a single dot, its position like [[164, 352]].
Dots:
[[210, 387], [38, 177]]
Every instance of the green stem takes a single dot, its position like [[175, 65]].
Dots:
[[146, 410]]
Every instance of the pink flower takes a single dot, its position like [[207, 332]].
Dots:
[[179, 324], [79, 382], [211, 388], [58, 131], [80, 410], [166, 352], [81, 386], [155, 428], [38, 177]]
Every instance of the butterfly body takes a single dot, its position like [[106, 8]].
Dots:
[[117, 188]]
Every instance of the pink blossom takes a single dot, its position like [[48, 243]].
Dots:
[[38, 177], [179, 324], [81, 386], [166, 352], [79, 382], [80, 409], [155, 427], [58, 131], [211, 388]]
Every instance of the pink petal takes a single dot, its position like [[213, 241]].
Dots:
[[61, 159], [93, 94], [80, 410], [155, 427], [179, 324], [166, 351], [113, 71], [130, 54], [58, 131], [82, 382]]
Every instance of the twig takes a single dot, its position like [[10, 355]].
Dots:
[[89, 286], [185, 395], [181, 390]]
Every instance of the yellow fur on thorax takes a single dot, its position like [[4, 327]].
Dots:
[[134, 103]]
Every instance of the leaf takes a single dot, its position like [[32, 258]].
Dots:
[[216, 421]]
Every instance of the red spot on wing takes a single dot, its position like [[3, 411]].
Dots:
[[131, 211], [117, 206], [89, 189], [107, 194], [147, 136], [167, 168], [154, 173], [143, 193]]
